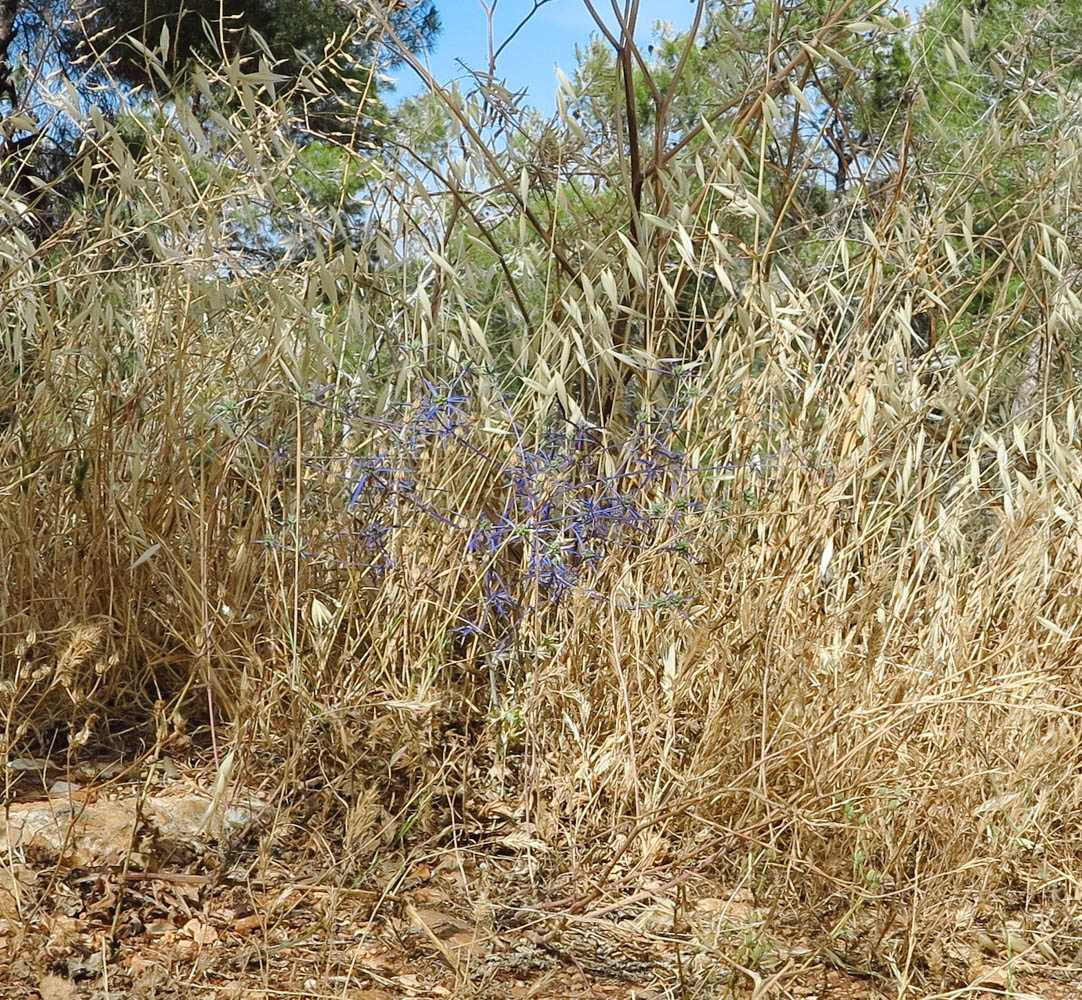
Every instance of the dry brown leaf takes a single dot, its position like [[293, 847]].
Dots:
[[201, 933], [55, 988], [253, 922], [994, 976]]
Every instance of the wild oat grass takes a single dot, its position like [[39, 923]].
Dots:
[[672, 540]]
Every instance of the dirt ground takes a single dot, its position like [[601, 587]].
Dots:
[[121, 883]]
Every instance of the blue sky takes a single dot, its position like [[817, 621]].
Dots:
[[548, 40]]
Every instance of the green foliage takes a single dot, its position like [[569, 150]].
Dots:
[[116, 56], [129, 53], [183, 36]]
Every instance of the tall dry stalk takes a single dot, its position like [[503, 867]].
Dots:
[[643, 521]]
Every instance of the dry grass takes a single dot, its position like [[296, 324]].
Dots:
[[819, 635]]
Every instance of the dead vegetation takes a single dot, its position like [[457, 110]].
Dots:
[[622, 562]]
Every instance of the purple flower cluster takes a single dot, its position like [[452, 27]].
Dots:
[[536, 520]]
